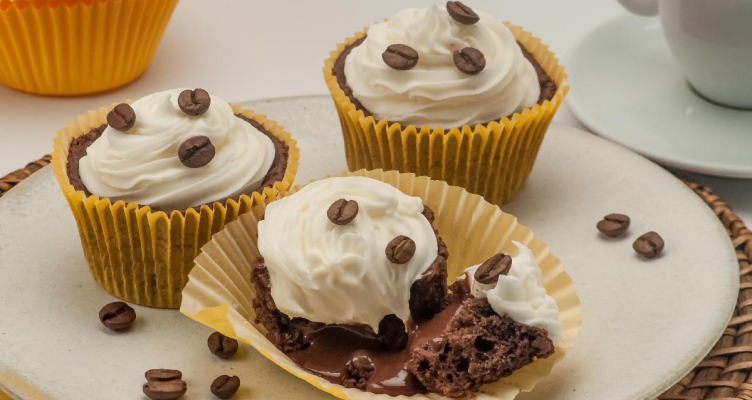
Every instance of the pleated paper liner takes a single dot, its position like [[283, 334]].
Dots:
[[69, 47], [219, 293], [144, 256], [492, 160]]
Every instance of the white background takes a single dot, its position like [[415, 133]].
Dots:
[[250, 49]]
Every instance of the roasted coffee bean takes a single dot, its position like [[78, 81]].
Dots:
[[400, 57], [489, 272], [342, 211], [194, 102], [649, 245], [221, 345], [469, 60], [117, 316], [400, 250], [392, 333], [161, 374], [196, 152], [462, 13], [614, 225], [225, 386], [121, 117], [165, 390]]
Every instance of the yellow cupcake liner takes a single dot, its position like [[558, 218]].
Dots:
[[144, 256], [492, 160], [219, 293], [70, 47]]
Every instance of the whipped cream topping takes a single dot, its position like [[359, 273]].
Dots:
[[521, 294], [339, 274], [435, 92], [142, 165]]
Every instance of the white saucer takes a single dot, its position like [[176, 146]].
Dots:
[[646, 323], [627, 87]]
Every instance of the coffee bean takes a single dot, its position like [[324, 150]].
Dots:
[[165, 390], [614, 225], [469, 60], [489, 272], [462, 13], [194, 102], [163, 375], [221, 345], [121, 117], [392, 333], [400, 250], [400, 57], [117, 316], [649, 245], [196, 152], [342, 211], [225, 386]]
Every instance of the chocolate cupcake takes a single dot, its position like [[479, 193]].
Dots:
[[150, 182], [447, 92]]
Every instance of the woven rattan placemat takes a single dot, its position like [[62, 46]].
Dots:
[[725, 374]]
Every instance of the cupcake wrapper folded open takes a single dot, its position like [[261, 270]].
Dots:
[[492, 160], [219, 293], [69, 47], [144, 256]]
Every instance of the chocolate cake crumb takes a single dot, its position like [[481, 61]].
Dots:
[[357, 372]]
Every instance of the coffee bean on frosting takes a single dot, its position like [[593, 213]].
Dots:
[[221, 345], [462, 13], [614, 225], [194, 102], [649, 245], [162, 374], [489, 272], [400, 250], [117, 316], [196, 152], [165, 390], [469, 60], [121, 117], [342, 211], [400, 57], [225, 386]]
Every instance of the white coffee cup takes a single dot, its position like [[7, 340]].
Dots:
[[712, 41]]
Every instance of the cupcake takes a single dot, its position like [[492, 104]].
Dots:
[[71, 47], [349, 285], [446, 92], [150, 182]]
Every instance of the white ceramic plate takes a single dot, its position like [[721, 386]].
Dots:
[[635, 342], [627, 87]]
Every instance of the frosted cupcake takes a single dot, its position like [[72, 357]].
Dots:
[[151, 185], [446, 92]]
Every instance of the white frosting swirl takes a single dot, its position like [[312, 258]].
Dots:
[[339, 274], [521, 294], [435, 92], [142, 165]]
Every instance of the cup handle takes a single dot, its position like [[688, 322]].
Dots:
[[645, 8]]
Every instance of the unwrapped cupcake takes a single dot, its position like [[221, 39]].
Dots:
[[446, 92], [150, 182]]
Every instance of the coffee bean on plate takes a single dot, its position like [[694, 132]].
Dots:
[[614, 225], [400, 250], [196, 152], [462, 13], [194, 102], [342, 211], [489, 272], [392, 333], [400, 57], [469, 60], [165, 390], [221, 345], [121, 117], [162, 374], [117, 316], [649, 245], [225, 386]]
